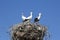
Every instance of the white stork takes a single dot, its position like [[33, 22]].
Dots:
[[30, 17], [37, 18]]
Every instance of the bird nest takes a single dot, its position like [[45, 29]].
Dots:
[[28, 32]]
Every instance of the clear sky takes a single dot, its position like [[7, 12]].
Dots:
[[10, 13]]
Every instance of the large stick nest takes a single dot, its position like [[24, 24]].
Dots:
[[28, 32]]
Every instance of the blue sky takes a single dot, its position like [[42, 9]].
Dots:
[[10, 13]]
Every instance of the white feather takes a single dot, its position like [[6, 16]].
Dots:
[[39, 16], [30, 17], [23, 17]]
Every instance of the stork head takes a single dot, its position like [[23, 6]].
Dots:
[[39, 14], [30, 13]]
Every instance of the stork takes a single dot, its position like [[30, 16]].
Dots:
[[37, 18], [27, 18]]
